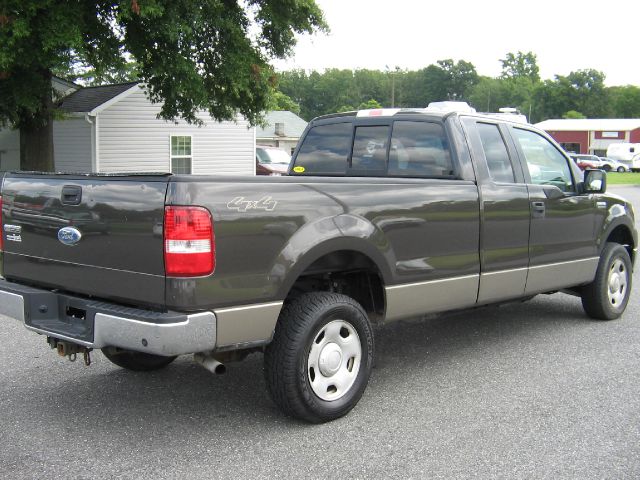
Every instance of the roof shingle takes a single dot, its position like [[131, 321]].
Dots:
[[88, 98]]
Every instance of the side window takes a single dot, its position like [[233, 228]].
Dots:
[[495, 151], [370, 150], [324, 150], [547, 166], [419, 149]]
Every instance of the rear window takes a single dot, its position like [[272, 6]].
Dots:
[[419, 149], [403, 149], [325, 150]]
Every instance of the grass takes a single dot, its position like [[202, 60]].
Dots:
[[627, 178]]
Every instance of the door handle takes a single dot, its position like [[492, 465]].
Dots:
[[537, 209]]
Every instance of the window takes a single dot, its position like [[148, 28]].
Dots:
[[419, 149], [547, 166], [495, 151], [370, 150], [571, 147], [324, 150], [180, 154]]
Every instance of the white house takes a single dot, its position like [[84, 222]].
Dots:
[[283, 130], [114, 128]]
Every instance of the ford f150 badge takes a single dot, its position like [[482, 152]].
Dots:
[[69, 235]]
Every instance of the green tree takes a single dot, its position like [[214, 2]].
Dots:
[[370, 104], [461, 77], [573, 114], [583, 91], [280, 101], [211, 54], [625, 101], [520, 65]]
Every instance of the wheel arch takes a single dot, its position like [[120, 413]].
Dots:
[[622, 234], [353, 266]]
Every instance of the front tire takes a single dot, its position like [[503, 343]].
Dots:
[[318, 365], [621, 170], [607, 296], [136, 361]]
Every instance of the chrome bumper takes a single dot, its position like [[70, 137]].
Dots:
[[189, 333]]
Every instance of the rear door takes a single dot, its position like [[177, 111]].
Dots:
[[504, 244], [93, 235]]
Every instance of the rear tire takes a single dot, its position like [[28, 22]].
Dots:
[[607, 296], [318, 365], [621, 170], [136, 361]]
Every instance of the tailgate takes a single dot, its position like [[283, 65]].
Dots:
[[99, 236]]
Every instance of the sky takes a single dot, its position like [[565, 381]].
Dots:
[[566, 35]]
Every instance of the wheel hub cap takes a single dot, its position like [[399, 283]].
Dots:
[[334, 360], [617, 283], [330, 359]]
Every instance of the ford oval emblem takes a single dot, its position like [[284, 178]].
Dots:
[[69, 235]]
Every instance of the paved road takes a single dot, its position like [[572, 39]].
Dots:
[[533, 390]]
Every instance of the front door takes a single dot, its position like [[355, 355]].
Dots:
[[562, 244]]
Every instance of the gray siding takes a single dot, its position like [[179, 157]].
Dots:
[[9, 149], [72, 145], [132, 139]]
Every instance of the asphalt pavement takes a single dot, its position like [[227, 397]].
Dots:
[[528, 390]]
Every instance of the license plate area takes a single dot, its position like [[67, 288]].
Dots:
[[60, 314]]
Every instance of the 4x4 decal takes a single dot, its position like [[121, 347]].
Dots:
[[242, 205]]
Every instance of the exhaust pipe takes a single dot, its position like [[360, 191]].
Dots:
[[210, 363]]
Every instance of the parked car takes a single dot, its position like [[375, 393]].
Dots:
[[586, 161], [611, 165], [271, 160]]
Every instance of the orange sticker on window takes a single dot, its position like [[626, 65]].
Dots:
[[298, 169]]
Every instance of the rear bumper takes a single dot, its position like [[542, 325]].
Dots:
[[100, 324]]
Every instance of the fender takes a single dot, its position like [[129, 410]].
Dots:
[[618, 214], [345, 232]]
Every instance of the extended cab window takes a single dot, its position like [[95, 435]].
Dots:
[[547, 166], [324, 150], [370, 150], [419, 149], [495, 151]]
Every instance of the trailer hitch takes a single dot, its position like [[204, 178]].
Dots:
[[70, 350]]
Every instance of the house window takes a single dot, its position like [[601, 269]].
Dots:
[[180, 154]]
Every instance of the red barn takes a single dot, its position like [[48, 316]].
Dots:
[[592, 135]]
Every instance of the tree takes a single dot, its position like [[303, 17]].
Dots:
[[582, 91], [280, 101], [573, 114], [520, 65], [211, 55], [461, 77], [625, 101], [370, 104]]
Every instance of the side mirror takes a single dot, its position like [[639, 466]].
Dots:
[[595, 181]]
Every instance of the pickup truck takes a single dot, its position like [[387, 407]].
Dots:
[[384, 215]]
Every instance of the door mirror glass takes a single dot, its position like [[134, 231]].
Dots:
[[595, 181]]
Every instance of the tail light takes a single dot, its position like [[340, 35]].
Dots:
[[189, 245], [1, 228]]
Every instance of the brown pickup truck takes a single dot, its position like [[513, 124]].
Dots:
[[384, 215]]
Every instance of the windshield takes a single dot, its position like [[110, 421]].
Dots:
[[273, 156]]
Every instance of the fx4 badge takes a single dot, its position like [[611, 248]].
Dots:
[[242, 205]]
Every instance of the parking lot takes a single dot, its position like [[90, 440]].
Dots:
[[527, 390]]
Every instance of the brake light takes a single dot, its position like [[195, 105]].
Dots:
[[189, 245], [2, 228]]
